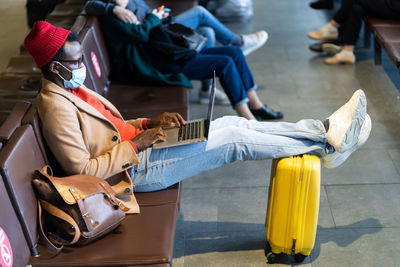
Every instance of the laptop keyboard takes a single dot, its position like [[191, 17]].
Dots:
[[189, 131]]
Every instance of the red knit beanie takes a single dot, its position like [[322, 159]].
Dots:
[[43, 41]]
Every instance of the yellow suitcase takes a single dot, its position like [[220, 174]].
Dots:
[[293, 205]]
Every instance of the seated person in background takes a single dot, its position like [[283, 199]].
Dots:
[[133, 57], [197, 18], [349, 18], [87, 134]]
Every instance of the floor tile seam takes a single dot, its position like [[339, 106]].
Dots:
[[224, 187], [393, 162], [188, 235], [364, 184], [353, 228], [330, 206]]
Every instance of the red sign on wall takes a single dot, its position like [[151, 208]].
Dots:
[[95, 63], [6, 255]]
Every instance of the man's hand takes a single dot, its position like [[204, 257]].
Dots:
[[149, 137], [125, 15], [166, 120]]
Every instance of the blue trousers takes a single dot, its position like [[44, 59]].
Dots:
[[230, 66], [202, 20]]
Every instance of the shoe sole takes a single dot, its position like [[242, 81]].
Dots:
[[335, 160], [248, 52], [357, 121], [330, 37], [339, 62]]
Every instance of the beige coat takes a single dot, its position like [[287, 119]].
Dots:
[[84, 141]]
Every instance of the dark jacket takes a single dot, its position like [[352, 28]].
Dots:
[[105, 7], [129, 59]]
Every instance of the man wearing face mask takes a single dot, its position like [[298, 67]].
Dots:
[[88, 135]]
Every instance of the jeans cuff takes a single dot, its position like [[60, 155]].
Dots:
[[241, 102], [253, 88]]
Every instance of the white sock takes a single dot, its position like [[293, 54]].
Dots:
[[329, 28], [346, 53]]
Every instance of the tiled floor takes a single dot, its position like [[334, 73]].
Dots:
[[223, 211]]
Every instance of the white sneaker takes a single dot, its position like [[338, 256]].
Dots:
[[343, 57], [345, 123], [220, 97], [252, 42], [335, 159], [326, 33]]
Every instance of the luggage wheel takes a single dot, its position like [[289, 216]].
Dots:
[[299, 257], [271, 257]]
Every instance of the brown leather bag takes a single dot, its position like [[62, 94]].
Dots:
[[77, 209]]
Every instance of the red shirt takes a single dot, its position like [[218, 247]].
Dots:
[[126, 131]]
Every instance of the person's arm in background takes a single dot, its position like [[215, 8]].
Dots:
[[114, 28], [100, 8]]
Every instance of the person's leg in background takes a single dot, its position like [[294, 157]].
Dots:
[[204, 94], [235, 77], [199, 16], [352, 26], [351, 29], [329, 31]]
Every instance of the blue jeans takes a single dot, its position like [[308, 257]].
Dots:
[[230, 66], [201, 19], [231, 139]]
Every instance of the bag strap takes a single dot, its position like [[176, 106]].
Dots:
[[53, 210], [113, 199]]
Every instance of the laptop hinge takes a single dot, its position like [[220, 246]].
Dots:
[[206, 127]]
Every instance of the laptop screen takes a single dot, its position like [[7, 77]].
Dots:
[[212, 98]]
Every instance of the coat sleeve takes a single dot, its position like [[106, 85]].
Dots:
[[63, 131], [138, 123], [99, 8], [130, 33]]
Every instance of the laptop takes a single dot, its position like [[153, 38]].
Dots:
[[194, 131]]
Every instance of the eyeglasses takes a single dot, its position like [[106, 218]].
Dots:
[[75, 62]]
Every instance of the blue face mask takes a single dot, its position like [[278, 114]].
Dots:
[[78, 77]]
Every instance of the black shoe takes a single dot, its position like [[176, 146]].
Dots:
[[322, 4], [316, 47], [265, 113]]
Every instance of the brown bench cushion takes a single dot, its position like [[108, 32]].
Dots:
[[171, 195], [10, 224], [142, 239], [393, 51], [19, 158], [387, 35], [67, 10], [13, 121], [22, 65], [376, 22], [20, 83]]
